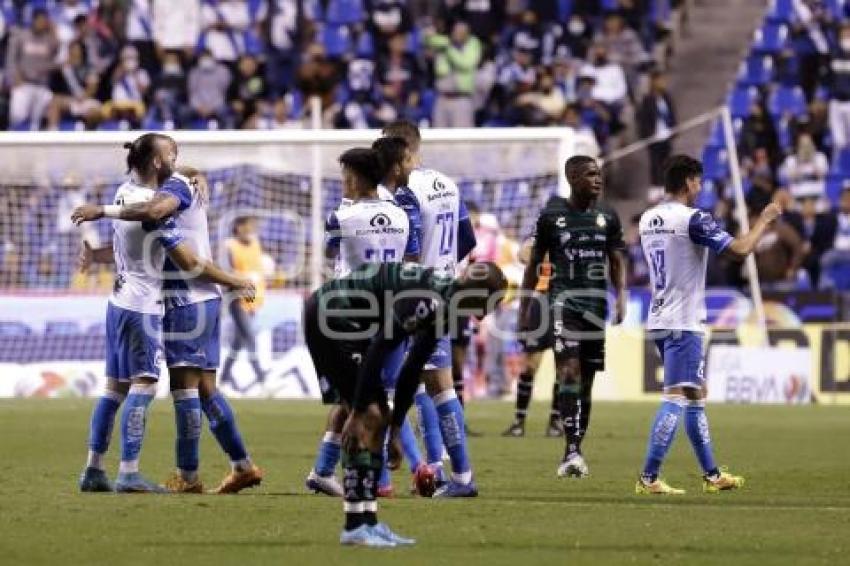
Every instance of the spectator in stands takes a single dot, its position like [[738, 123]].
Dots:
[[817, 229], [75, 90], [29, 63], [485, 18], [779, 256], [655, 120], [139, 33], [386, 19], [401, 77], [762, 183], [176, 25], [109, 21], [593, 113], [758, 131], [546, 101], [456, 60], [229, 29], [277, 116], [319, 76], [623, 46], [815, 122], [585, 138], [100, 49], [839, 86], [610, 87], [578, 35], [809, 38], [209, 81], [517, 80], [804, 171], [64, 16], [565, 73], [835, 263], [169, 92], [287, 23], [130, 84], [246, 91]]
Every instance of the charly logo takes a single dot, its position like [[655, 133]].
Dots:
[[656, 222], [561, 222], [380, 220], [600, 221]]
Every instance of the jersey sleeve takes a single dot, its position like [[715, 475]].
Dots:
[[463, 213], [615, 239], [333, 234], [178, 187], [166, 231], [542, 232], [704, 231], [408, 202]]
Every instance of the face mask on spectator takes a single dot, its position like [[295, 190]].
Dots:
[[172, 69], [131, 64], [206, 63], [576, 26]]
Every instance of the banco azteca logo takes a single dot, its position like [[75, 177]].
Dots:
[[380, 220], [656, 222]]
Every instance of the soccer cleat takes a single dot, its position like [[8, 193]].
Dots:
[[383, 531], [424, 481], [385, 491], [657, 487], [364, 535], [454, 489], [237, 480], [323, 484], [94, 480], [177, 484], [724, 482], [516, 430], [136, 483], [573, 467], [554, 429]]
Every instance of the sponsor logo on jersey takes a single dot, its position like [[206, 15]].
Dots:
[[656, 222], [381, 224], [381, 220], [561, 222]]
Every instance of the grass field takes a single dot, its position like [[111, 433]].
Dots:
[[795, 508]]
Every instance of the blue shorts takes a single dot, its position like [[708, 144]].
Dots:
[[133, 344], [681, 354], [442, 356], [191, 335]]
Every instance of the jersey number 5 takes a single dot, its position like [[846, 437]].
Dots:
[[446, 221]]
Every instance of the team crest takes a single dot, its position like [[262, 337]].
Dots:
[[600, 221]]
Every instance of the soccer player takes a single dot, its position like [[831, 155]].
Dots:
[[365, 229], [676, 239], [351, 324], [129, 344], [534, 344], [584, 241], [440, 222]]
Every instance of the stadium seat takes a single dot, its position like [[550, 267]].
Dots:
[[565, 9], [365, 45], [781, 11], [834, 186], [835, 273], [740, 101], [715, 163], [770, 39], [841, 165], [62, 327], [756, 70], [786, 101], [337, 40], [783, 133], [14, 328], [343, 12]]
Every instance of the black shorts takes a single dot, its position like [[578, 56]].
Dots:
[[465, 331], [577, 337], [337, 362], [535, 342]]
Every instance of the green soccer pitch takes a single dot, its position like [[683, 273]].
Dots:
[[794, 509]]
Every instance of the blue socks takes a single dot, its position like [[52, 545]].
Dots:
[[223, 427], [661, 435], [450, 412], [429, 425], [328, 456], [696, 425], [187, 418], [133, 418], [100, 429]]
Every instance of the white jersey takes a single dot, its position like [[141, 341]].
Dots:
[[433, 204], [675, 240], [367, 231], [190, 220], [140, 252]]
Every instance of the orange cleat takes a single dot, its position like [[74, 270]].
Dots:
[[177, 484], [236, 481], [424, 481]]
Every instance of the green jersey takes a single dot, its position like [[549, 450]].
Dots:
[[578, 243]]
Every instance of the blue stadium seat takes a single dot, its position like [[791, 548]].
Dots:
[[740, 100], [835, 8], [841, 165], [61, 327], [787, 101], [14, 328], [771, 38], [345, 12], [756, 70], [835, 274], [337, 40], [834, 186], [783, 133], [781, 11], [365, 45], [715, 164], [565, 9]]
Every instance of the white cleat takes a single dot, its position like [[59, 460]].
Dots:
[[323, 484], [573, 467]]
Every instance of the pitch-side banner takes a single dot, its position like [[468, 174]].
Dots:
[[740, 374]]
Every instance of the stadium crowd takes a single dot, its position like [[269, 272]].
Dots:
[[159, 64], [790, 104]]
